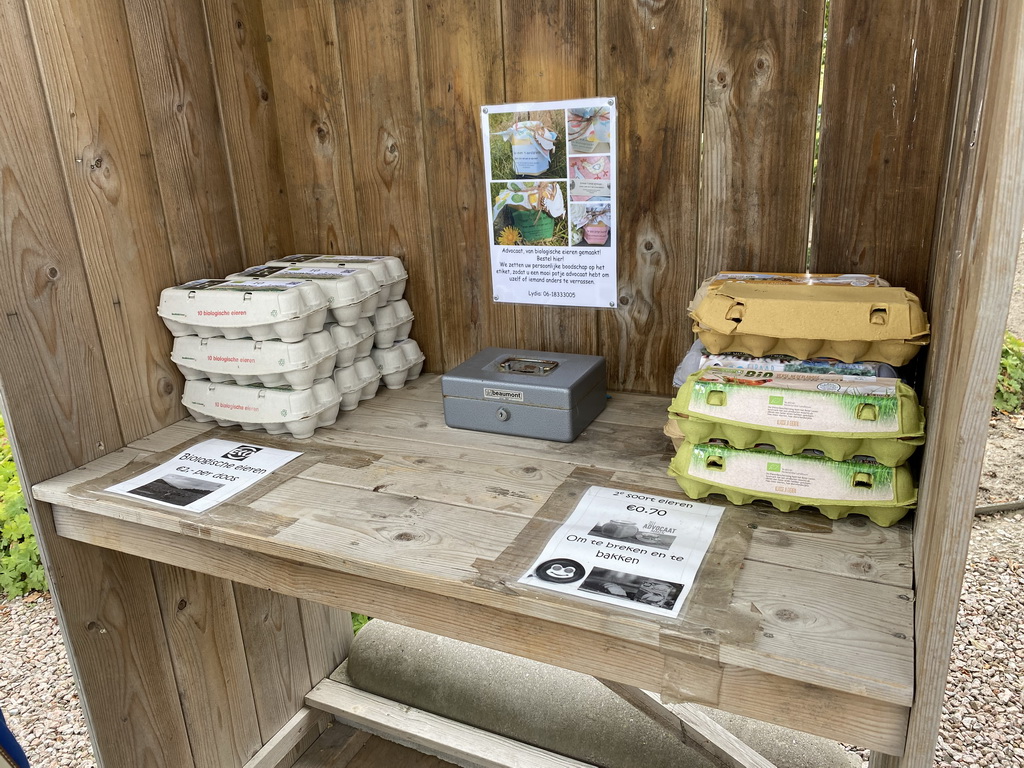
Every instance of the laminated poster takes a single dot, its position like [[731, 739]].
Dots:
[[628, 549], [204, 475], [551, 194]]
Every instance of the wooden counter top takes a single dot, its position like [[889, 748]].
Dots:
[[794, 619]]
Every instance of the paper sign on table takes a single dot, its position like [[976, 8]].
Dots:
[[205, 474], [628, 549]]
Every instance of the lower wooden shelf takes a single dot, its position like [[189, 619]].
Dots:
[[794, 619], [344, 747]]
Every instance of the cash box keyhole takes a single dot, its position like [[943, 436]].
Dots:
[[504, 414]]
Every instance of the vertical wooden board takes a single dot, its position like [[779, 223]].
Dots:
[[89, 78], [275, 654], [550, 54], [461, 71], [110, 617], [650, 58], [883, 134], [972, 279], [176, 74], [328, 637], [302, 43], [62, 421], [238, 41], [379, 59], [763, 63], [201, 621]]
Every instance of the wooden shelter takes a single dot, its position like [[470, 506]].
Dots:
[[146, 144]]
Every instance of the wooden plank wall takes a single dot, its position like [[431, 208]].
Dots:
[[115, 182], [148, 144]]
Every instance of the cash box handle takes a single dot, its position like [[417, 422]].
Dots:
[[529, 366]]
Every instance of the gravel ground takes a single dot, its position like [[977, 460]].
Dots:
[[37, 693]]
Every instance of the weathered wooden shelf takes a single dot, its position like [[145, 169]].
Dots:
[[794, 619]]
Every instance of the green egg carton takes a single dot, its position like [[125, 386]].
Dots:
[[840, 417], [892, 452], [837, 489]]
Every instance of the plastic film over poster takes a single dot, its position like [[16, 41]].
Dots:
[[550, 175], [633, 550]]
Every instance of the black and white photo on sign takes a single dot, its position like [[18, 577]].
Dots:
[[631, 587], [178, 490]]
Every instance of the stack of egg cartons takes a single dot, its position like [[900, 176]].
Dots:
[[397, 357], [795, 400], [276, 349]]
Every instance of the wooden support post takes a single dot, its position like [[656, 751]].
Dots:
[[693, 728], [302, 724]]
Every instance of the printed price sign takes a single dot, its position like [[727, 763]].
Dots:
[[205, 474], [629, 549]]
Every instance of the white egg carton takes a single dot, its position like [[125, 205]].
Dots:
[[392, 323], [357, 382], [351, 293], [295, 364], [389, 270], [299, 412], [236, 309], [398, 364], [352, 341]]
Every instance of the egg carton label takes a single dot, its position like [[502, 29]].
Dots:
[[773, 399], [257, 285]]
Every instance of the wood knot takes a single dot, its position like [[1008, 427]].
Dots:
[[166, 387], [648, 245], [405, 536], [785, 614], [182, 604], [52, 273], [264, 96], [722, 78], [95, 626], [624, 301], [862, 565]]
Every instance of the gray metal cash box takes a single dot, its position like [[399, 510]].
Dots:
[[547, 395]]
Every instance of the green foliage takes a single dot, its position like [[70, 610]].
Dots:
[[359, 621], [1009, 395], [21, 570]]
